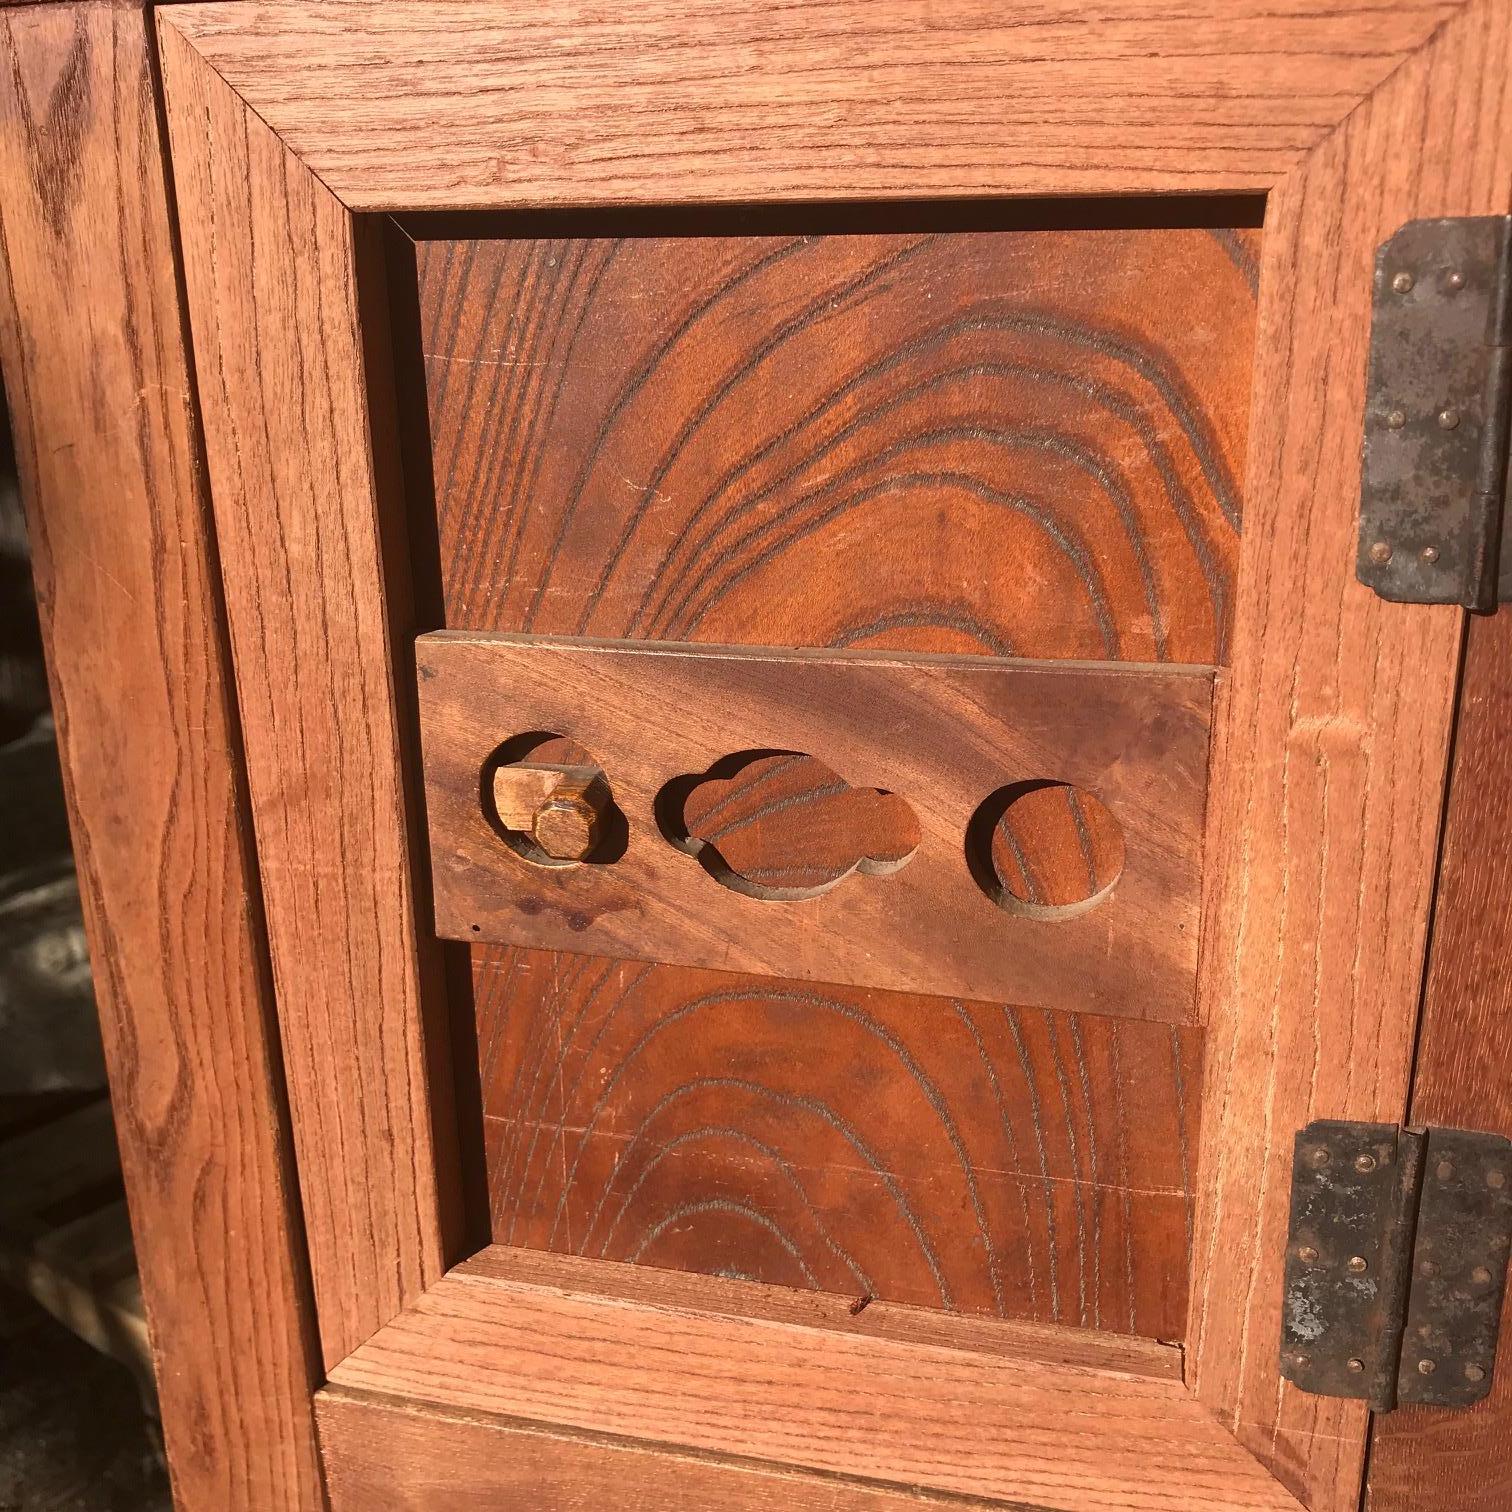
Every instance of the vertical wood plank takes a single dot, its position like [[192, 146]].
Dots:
[[1327, 780], [304, 507], [1423, 1457], [95, 368]]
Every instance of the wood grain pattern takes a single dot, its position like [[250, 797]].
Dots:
[[1333, 754], [787, 827], [388, 1454], [967, 1157], [981, 435], [943, 733], [702, 1366], [1325, 837], [1421, 1457], [842, 99], [96, 376], [315, 605], [1020, 442]]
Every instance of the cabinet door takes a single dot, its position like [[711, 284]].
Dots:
[[827, 798]]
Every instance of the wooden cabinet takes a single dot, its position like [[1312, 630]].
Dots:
[[813, 799]]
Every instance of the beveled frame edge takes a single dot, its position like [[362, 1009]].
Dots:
[[1333, 747]]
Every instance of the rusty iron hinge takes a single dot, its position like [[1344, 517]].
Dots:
[[1438, 402], [1396, 1261]]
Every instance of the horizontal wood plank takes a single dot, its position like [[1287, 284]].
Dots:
[[941, 733], [994, 430], [977, 1158], [680, 1368], [383, 1454], [552, 103]]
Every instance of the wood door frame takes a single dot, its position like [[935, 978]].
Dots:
[[288, 120]]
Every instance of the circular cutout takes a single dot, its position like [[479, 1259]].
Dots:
[[549, 801], [1045, 849]]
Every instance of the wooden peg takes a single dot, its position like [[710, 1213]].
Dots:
[[561, 808]]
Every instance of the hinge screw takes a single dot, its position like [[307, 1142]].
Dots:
[[1396, 419], [1428, 1268], [1481, 1276], [1366, 1163], [1448, 419], [1496, 1179], [1429, 554], [1427, 1367], [1475, 1372], [1402, 283], [1357, 1265], [1307, 1254], [1355, 1366], [1444, 1170], [1380, 553]]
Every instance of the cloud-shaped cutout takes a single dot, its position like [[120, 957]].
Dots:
[[781, 825]]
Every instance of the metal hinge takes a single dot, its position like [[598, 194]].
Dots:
[[1437, 405], [1395, 1263]]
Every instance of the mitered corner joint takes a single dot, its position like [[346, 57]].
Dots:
[[1438, 402], [1396, 1261]]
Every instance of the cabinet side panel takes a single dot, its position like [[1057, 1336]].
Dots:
[[96, 374], [1422, 1457]]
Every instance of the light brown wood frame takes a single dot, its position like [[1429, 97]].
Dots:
[[289, 119]]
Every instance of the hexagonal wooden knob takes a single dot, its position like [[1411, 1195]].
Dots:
[[561, 808]]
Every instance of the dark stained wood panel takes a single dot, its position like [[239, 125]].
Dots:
[[1017, 443], [963, 1156], [1023, 443]]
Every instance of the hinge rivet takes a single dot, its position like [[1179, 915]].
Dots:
[[1496, 1179], [1444, 1170], [1307, 1254], [1298, 1361], [1317, 1157], [1357, 1265], [1396, 419], [1366, 1163], [1455, 282], [1354, 1365], [1427, 1367], [1402, 283], [1429, 554], [1481, 1276], [1448, 419], [1475, 1372], [1428, 1268], [1380, 553]]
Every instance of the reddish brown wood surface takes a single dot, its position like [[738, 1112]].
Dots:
[[1424, 1458], [308, 520], [1020, 442], [988, 1159], [780, 1381], [726, 101], [941, 734], [97, 377], [1329, 773]]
